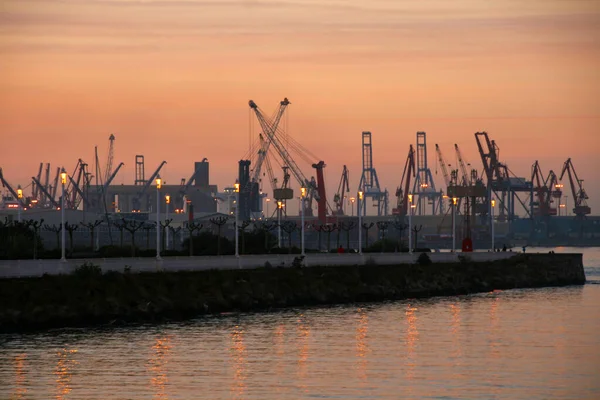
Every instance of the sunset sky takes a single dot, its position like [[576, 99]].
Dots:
[[172, 80]]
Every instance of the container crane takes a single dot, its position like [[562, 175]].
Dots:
[[343, 188], [402, 193], [554, 191], [541, 191], [447, 178], [581, 208]]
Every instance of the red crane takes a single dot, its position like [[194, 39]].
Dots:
[[343, 188], [579, 195], [402, 194]]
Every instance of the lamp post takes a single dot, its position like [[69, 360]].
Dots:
[[454, 200], [302, 197], [236, 187], [63, 181], [352, 200], [358, 210], [158, 186], [268, 200], [19, 197], [279, 207], [167, 201], [410, 205], [492, 216]]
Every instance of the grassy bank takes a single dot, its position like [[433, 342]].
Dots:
[[89, 298]]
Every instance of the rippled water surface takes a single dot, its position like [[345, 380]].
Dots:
[[534, 343]]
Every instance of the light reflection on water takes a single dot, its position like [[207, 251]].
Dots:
[[541, 343]]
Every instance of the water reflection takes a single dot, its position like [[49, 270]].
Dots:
[[494, 345], [362, 347], [455, 329], [63, 372], [20, 376], [303, 331], [157, 363], [238, 353], [411, 341]]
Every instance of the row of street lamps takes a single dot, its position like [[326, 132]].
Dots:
[[303, 194]]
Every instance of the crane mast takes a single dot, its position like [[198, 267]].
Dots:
[[579, 195], [265, 144], [402, 193], [111, 155], [343, 188], [463, 168]]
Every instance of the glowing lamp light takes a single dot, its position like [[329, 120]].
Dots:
[[493, 203], [352, 200], [236, 187], [360, 195], [303, 192], [63, 177], [19, 193], [454, 200], [168, 199], [158, 182], [410, 197], [280, 205]]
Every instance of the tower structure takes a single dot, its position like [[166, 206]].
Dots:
[[139, 170], [424, 186], [369, 183]]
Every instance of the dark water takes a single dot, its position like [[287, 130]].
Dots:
[[529, 344]]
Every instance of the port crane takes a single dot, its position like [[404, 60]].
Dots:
[[404, 188], [313, 189], [581, 208], [11, 190], [343, 188]]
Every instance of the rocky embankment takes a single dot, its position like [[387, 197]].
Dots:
[[88, 298]]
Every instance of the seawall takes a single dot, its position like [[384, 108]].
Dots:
[[90, 298]]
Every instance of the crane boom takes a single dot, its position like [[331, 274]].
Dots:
[[461, 163], [43, 189], [110, 157], [281, 150], [443, 165], [579, 195], [11, 190], [343, 188], [402, 193], [265, 144]]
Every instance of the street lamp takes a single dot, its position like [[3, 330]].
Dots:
[[358, 205], [236, 187], [454, 200], [279, 207], [167, 201], [492, 215], [410, 207], [352, 200], [19, 197], [302, 197], [63, 181], [268, 200], [158, 186]]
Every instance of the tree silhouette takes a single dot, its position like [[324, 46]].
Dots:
[[174, 232], [319, 229], [132, 226], [191, 227], [347, 226], [366, 226], [289, 227], [163, 228], [416, 230], [120, 226], [56, 230], [266, 227], [70, 228], [92, 227], [219, 222], [328, 229], [148, 226], [36, 225], [242, 230], [382, 226], [400, 226]]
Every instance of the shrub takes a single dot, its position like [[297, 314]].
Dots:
[[127, 269], [87, 269], [424, 259]]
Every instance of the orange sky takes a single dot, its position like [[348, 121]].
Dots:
[[172, 79]]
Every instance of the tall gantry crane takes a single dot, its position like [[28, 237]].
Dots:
[[343, 188], [581, 208], [424, 185], [111, 155], [369, 182]]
